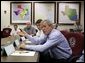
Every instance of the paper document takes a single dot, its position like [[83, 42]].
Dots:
[[23, 53], [28, 41], [23, 38]]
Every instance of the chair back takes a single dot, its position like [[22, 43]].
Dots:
[[65, 33], [6, 32], [76, 41]]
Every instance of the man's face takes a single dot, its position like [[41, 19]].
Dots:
[[28, 25], [15, 26], [46, 28]]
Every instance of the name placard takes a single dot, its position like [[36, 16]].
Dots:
[[9, 49]]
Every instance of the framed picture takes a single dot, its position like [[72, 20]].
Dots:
[[68, 13], [44, 10], [20, 12]]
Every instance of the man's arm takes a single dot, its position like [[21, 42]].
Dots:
[[35, 39], [49, 43]]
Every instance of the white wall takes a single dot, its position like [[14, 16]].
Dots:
[[5, 18], [82, 14]]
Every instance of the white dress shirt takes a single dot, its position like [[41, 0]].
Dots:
[[14, 32]]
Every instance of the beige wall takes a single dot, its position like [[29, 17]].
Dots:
[[5, 18]]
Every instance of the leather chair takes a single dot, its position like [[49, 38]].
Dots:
[[6, 32], [76, 42], [65, 33], [1, 34], [82, 32]]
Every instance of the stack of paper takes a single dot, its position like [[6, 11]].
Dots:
[[27, 42], [23, 53]]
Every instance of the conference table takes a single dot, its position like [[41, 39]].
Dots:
[[34, 58], [7, 41]]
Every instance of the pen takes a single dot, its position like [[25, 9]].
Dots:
[[21, 30]]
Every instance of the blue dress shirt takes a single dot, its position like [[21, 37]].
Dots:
[[55, 43]]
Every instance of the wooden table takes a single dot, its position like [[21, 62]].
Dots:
[[34, 58], [11, 39], [8, 40]]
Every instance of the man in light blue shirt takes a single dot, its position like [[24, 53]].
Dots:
[[53, 42]]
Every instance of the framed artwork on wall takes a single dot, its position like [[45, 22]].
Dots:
[[20, 12], [68, 12], [44, 10]]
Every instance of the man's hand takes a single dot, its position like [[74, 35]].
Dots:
[[21, 33], [22, 45]]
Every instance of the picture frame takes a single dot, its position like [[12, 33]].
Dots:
[[44, 11], [20, 12], [68, 12]]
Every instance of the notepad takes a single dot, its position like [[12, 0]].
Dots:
[[9, 49], [23, 53]]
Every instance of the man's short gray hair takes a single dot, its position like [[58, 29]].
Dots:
[[48, 22]]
